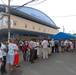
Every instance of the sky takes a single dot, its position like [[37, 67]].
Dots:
[[62, 12]]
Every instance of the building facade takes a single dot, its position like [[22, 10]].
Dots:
[[25, 26]]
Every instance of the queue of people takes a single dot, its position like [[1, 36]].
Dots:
[[9, 52], [9, 55]]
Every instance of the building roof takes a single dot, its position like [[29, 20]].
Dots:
[[30, 14]]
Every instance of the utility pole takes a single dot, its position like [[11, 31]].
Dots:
[[63, 29], [8, 20], [8, 12]]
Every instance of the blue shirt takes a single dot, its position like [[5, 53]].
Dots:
[[56, 42]]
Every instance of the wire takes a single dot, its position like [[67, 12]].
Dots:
[[38, 3], [23, 5], [65, 16], [28, 3], [17, 8]]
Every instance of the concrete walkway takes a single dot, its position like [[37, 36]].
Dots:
[[57, 64]]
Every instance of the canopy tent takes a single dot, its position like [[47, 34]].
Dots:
[[62, 35]]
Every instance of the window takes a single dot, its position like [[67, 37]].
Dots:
[[25, 25], [14, 23], [25, 34], [39, 28], [33, 27], [33, 35]]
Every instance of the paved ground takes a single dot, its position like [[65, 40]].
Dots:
[[57, 64]]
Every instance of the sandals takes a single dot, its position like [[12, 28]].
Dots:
[[17, 65]]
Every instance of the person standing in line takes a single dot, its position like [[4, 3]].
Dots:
[[28, 51], [20, 45], [37, 48], [66, 45], [62, 46], [16, 56], [32, 51], [10, 56], [52, 45], [4, 53], [24, 50], [45, 48], [71, 46], [56, 46], [49, 48], [1, 56]]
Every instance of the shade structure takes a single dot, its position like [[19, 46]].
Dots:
[[62, 35]]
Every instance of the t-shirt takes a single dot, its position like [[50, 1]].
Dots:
[[3, 47], [11, 49], [1, 54], [45, 44], [24, 47], [62, 43], [17, 49], [52, 43], [36, 45], [32, 45]]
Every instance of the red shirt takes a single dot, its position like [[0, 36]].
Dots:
[[24, 47]]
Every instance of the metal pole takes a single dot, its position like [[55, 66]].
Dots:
[[9, 17], [63, 29], [8, 20]]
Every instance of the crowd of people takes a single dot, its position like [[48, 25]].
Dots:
[[9, 52]]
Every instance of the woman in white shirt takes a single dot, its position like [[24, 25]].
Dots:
[[10, 57]]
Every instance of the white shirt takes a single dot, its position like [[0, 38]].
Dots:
[[52, 43], [16, 47], [66, 42], [37, 45], [0, 57], [45, 44], [3, 47], [32, 44], [11, 49], [1, 54]]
